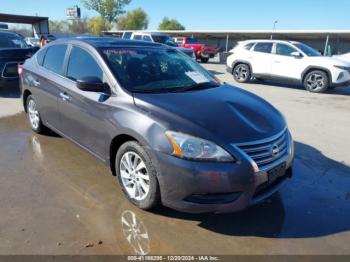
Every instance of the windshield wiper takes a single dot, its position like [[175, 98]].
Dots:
[[198, 86]]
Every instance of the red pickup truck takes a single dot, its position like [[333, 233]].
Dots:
[[202, 51]]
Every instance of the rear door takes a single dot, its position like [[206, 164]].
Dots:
[[284, 64], [82, 113], [46, 83], [261, 58]]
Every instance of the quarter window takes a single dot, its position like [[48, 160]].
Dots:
[[54, 58], [263, 47], [81, 64], [285, 50], [248, 46]]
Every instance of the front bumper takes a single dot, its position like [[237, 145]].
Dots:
[[340, 78], [200, 187]]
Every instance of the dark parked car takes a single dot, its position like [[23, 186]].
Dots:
[[169, 131], [13, 51]]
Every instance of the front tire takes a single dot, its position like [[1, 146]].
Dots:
[[137, 175], [33, 115], [316, 81], [241, 73]]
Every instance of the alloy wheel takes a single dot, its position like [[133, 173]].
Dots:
[[241, 73], [33, 113], [315, 81], [134, 176]]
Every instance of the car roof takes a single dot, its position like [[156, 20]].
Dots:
[[99, 42], [268, 41], [150, 33]]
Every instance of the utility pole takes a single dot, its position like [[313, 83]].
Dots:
[[274, 28]]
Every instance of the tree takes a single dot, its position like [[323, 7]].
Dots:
[[79, 26], [170, 24], [97, 25], [58, 26], [108, 9], [134, 20]]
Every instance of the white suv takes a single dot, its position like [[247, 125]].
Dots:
[[275, 59]]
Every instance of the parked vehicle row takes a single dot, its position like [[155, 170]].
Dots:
[[287, 60], [189, 46], [150, 113], [203, 52], [158, 38]]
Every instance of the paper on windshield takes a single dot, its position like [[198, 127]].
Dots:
[[197, 77]]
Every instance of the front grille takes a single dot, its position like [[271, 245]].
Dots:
[[10, 70], [268, 151]]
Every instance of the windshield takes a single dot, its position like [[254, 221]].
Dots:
[[156, 70], [309, 51], [164, 39], [161, 38], [12, 41]]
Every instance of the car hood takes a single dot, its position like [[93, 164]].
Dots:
[[224, 113]]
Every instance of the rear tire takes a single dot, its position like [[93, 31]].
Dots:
[[137, 175], [316, 81], [241, 73], [33, 115]]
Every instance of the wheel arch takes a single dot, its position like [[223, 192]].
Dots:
[[25, 96], [240, 61], [114, 146], [317, 68]]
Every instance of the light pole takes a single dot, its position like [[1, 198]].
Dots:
[[274, 28]]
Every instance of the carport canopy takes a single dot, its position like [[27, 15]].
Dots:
[[40, 24]]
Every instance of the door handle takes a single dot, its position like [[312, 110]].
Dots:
[[65, 97], [36, 82]]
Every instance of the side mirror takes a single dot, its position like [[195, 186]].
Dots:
[[90, 84], [296, 54]]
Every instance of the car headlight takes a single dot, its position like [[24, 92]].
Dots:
[[346, 68], [193, 148]]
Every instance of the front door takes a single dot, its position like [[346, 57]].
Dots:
[[284, 64], [82, 113]]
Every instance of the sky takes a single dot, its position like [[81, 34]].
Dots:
[[213, 14]]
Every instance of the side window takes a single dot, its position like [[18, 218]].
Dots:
[[263, 47], [81, 64], [147, 38], [137, 37], [40, 56], [248, 46], [285, 50], [54, 58]]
